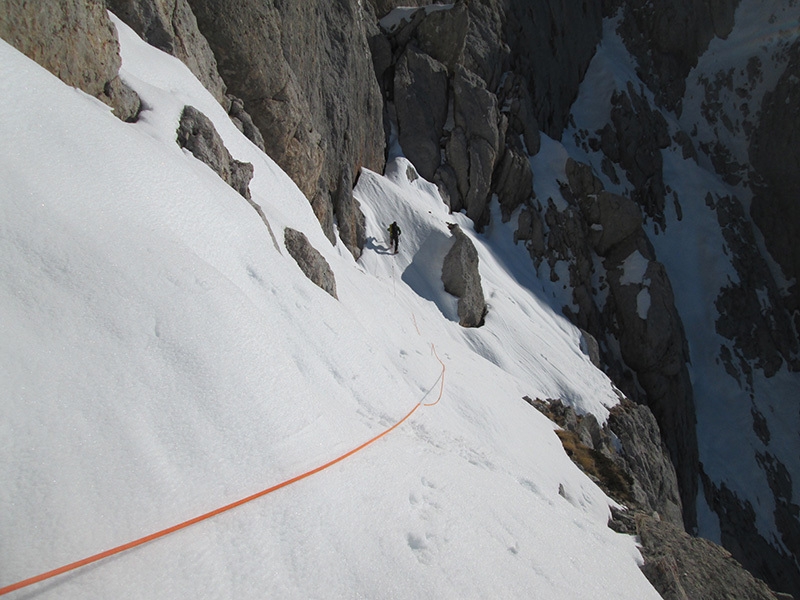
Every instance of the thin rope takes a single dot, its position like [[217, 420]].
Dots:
[[204, 517]]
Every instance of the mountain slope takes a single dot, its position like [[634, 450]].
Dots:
[[161, 356]]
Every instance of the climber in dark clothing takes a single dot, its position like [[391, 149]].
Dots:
[[394, 235]]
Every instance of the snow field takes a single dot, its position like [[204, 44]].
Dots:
[[160, 357]]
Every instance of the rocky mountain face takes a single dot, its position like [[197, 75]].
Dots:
[[75, 41], [468, 89]]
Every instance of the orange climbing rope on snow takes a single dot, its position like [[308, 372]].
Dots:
[[204, 517]]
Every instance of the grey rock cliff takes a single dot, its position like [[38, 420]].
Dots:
[[681, 566], [304, 73], [599, 236], [74, 40], [170, 25]]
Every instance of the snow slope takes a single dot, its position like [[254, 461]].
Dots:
[[161, 356]]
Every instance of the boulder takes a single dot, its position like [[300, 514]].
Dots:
[[244, 122], [310, 261], [462, 278], [420, 92], [76, 41], [197, 134]]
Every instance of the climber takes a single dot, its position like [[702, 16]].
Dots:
[[394, 235]]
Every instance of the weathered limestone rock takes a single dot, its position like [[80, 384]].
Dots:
[[462, 278], [681, 566], [655, 485], [653, 343], [513, 181], [352, 223], [197, 134], [310, 261], [304, 73], [762, 334], [517, 104], [244, 122], [551, 44], [74, 40], [442, 34], [611, 218], [631, 441], [739, 534], [170, 25], [420, 92], [476, 115]]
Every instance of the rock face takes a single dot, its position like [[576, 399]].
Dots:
[[650, 483], [647, 459], [310, 261], [420, 91], [170, 25], [775, 155], [197, 134], [623, 297], [74, 40], [634, 139], [682, 567], [462, 278], [304, 73], [668, 37], [551, 44]]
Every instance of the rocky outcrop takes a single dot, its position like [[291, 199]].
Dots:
[[304, 73], [681, 567], [775, 155], [667, 37], [462, 278], [740, 535], [622, 296], [751, 314], [420, 93], [310, 261], [74, 40], [475, 142], [634, 138], [197, 134], [170, 25], [632, 442], [646, 458]]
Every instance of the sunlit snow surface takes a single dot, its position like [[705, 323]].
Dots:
[[160, 357]]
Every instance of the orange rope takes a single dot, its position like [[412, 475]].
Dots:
[[164, 532]]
